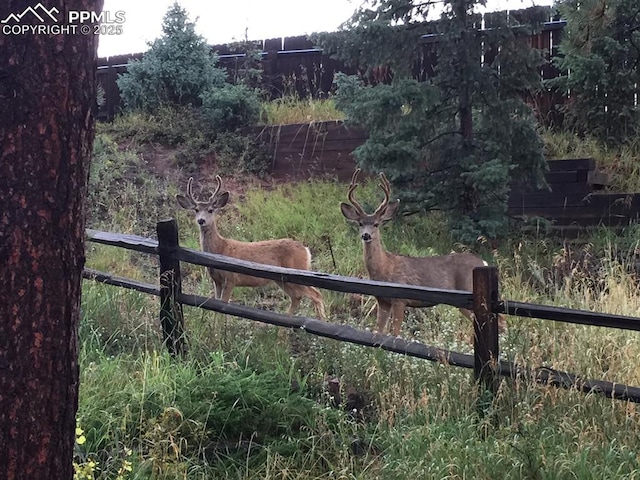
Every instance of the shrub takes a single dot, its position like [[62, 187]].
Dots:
[[230, 108], [177, 69]]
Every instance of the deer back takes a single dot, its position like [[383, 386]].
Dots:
[[449, 272], [283, 252]]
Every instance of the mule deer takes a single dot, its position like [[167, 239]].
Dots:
[[283, 252], [451, 272]]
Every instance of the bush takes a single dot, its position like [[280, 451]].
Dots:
[[230, 108], [236, 153], [177, 69]]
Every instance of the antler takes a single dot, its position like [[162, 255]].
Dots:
[[352, 189], [189, 191], [218, 187], [386, 188]]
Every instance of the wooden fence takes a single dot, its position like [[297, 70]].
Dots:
[[484, 300], [295, 65]]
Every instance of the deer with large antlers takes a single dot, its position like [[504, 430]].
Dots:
[[450, 272], [283, 252]]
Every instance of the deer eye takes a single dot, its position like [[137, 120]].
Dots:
[[196, 209], [210, 210], [360, 224], [376, 224]]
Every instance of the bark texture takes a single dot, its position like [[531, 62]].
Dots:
[[47, 98]]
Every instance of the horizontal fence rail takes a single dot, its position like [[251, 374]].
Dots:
[[432, 296], [568, 315], [123, 240], [346, 333], [108, 279]]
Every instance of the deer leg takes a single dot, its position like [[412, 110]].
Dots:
[[225, 292], [296, 292], [316, 297], [217, 290], [383, 315], [293, 291], [397, 316], [295, 304]]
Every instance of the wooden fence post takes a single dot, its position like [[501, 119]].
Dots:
[[171, 318], [485, 326]]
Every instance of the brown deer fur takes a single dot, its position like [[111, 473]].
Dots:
[[283, 252], [449, 272]]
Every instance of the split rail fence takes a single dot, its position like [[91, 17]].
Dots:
[[484, 300]]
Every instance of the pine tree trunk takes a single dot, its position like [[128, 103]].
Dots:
[[465, 54], [47, 98]]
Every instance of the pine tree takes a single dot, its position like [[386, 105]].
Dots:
[[47, 99], [178, 68], [599, 55], [456, 140]]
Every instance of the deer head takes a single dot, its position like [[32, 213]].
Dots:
[[369, 224], [204, 211]]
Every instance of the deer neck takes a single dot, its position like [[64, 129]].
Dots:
[[210, 239], [376, 259]]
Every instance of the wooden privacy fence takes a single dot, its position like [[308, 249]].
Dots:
[[294, 65], [484, 300]]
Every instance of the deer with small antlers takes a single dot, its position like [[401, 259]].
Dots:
[[450, 272], [283, 252]]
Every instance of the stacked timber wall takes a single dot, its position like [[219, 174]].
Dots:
[[576, 198], [302, 151], [295, 66]]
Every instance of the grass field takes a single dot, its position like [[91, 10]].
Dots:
[[255, 402]]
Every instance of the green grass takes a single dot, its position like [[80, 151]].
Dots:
[[252, 401], [291, 109]]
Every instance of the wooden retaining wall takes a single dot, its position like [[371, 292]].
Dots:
[[576, 199], [307, 150], [294, 65]]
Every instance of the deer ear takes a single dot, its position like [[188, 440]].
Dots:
[[349, 212], [184, 202], [221, 200], [390, 211]]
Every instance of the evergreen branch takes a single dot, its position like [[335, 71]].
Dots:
[[443, 134]]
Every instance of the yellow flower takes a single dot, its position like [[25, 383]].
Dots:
[[80, 438]]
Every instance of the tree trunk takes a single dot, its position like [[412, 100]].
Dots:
[[47, 98], [465, 56]]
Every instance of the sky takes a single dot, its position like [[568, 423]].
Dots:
[[221, 21]]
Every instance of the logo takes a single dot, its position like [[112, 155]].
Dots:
[[40, 20], [38, 12]]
